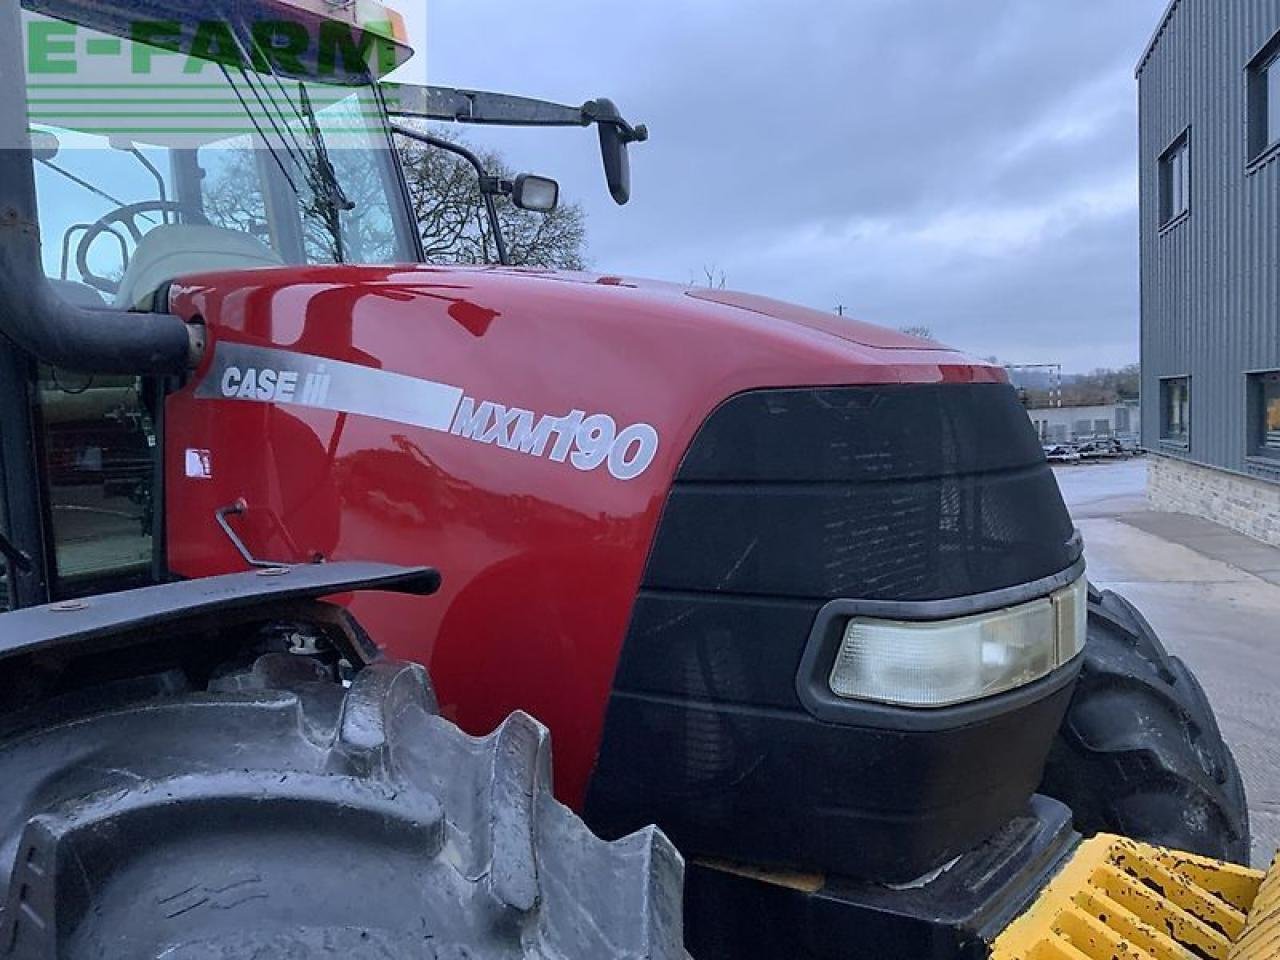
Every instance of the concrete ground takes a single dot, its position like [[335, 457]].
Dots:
[[1213, 596]]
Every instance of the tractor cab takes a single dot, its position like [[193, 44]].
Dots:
[[219, 150], [163, 142]]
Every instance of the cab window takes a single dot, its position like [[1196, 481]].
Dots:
[[83, 181], [98, 460]]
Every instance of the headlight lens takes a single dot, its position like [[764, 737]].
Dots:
[[942, 662], [1072, 608]]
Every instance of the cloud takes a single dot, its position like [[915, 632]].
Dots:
[[924, 162]]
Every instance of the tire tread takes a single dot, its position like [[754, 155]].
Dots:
[[1139, 751]]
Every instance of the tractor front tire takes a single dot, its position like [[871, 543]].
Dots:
[[273, 813], [1139, 752]]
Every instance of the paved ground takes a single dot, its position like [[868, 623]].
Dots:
[[1213, 596]]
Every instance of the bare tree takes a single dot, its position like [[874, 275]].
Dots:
[[455, 227], [1101, 387], [361, 230], [713, 276], [446, 202], [232, 198]]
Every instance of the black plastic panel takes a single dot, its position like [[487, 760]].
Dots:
[[863, 434], [779, 788], [952, 918], [886, 493], [787, 500], [900, 540], [717, 648]]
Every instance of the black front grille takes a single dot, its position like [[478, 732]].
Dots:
[[917, 492], [788, 499]]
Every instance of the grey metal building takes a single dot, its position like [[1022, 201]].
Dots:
[[1084, 422], [1209, 142]]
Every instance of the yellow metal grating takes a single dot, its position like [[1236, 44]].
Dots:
[[1261, 940], [1117, 899]]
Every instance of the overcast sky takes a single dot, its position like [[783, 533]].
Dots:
[[964, 165]]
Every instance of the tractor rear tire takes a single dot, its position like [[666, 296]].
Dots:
[[277, 814], [1139, 752]]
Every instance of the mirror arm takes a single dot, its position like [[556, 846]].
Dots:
[[604, 111], [490, 205], [496, 186], [476, 106], [453, 105]]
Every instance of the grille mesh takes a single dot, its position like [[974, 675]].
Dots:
[[893, 492]]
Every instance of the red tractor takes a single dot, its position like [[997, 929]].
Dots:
[[799, 590]]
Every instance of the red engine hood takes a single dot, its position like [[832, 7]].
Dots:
[[670, 317], [541, 548]]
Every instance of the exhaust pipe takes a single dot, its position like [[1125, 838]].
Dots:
[[32, 314]]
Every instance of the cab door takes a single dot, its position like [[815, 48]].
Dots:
[[22, 580], [98, 460], [79, 482]]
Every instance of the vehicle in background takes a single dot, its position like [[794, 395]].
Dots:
[[1061, 453]]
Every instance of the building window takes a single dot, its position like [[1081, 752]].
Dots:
[[1175, 180], [1264, 99], [1264, 396], [1175, 410]]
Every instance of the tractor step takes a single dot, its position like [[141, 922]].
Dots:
[[1116, 899]]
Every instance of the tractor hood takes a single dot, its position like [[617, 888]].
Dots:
[[855, 331], [455, 350], [539, 341], [519, 430], [600, 306]]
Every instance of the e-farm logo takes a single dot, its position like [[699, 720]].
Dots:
[[207, 79]]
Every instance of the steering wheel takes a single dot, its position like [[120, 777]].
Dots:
[[127, 216]]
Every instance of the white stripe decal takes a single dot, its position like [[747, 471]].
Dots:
[[271, 376], [265, 375]]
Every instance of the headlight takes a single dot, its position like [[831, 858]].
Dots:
[[1072, 608], [942, 662]]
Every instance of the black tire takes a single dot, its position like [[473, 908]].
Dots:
[[1139, 752], [277, 815]]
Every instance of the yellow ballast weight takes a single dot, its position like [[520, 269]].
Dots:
[[1120, 900]]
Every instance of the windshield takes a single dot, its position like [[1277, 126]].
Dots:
[[239, 167]]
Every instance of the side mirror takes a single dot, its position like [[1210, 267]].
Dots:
[[615, 135], [617, 163], [539, 194]]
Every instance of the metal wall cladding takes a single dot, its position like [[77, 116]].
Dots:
[[1211, 282]]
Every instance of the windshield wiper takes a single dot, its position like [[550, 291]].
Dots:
[[330, 201]]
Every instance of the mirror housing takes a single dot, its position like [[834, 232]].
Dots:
[[617, 163], [615, 136], [532, 192]]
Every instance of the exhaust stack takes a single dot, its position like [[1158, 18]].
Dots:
[[32, 314]]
